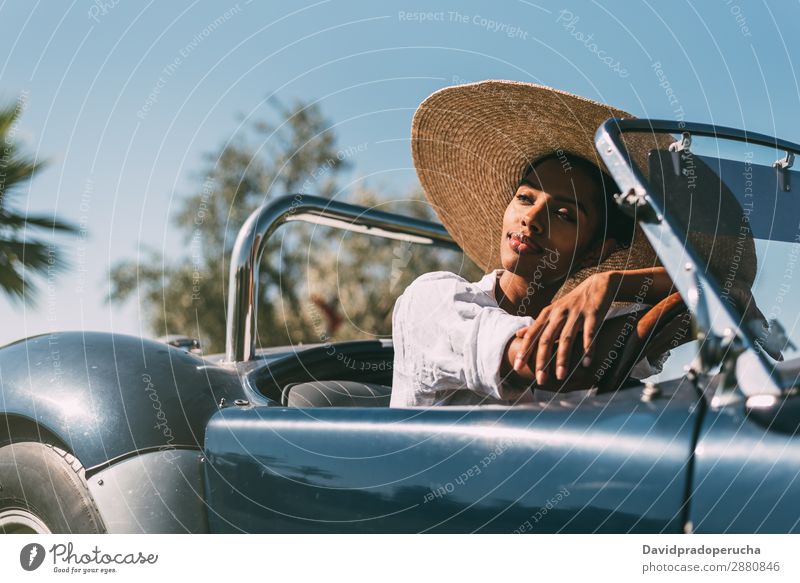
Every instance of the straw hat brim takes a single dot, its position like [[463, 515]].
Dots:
[[472, 143]]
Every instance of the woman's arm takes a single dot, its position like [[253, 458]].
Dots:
[[576, 377], [649, 285], [579, 313], [449, 335]]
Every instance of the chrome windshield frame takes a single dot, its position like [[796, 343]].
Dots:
[[240, 341], [662, 230]]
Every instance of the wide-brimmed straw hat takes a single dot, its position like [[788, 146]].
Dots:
[[472, 143]]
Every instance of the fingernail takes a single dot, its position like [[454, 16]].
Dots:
[[540, 377], [586, 361], [561, 372], [517, 364]]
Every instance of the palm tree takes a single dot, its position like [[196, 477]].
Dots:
[[21, 255]]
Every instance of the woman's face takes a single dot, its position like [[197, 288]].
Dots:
[[551, 222]]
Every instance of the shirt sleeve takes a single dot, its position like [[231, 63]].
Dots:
[[451, 335]]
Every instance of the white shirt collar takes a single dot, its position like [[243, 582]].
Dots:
[[488, 283]]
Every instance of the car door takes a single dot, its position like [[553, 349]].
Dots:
[[746, 472], [611, 463]]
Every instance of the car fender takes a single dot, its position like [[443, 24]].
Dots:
[[107, 397]]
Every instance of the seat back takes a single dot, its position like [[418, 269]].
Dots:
[[336, 394]]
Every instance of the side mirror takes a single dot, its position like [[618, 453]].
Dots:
[[776, 413]]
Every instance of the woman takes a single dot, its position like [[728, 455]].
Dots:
[[509, 169]]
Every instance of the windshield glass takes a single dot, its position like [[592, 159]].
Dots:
[[741, 215]]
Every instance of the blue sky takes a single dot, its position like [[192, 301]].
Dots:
[[123, 98]]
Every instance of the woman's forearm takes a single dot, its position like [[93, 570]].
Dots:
[[579, 377], [648, 285], [519, 380]]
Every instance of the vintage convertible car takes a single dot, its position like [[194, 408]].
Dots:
[[110, 433]]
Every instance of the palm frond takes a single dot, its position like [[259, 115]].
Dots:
[[21, 259], [15, 221], [8, 115], [14, 170]]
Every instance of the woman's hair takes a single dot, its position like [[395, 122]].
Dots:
[[617, 224]]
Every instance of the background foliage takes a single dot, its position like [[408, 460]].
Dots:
[[316, 282]]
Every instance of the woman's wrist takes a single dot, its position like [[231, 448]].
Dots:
[[608, 282], [649, 285]]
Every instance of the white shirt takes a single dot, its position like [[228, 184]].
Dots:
[[450, 337]]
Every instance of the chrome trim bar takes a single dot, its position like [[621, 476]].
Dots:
[[615, 126], [677, 256], [240, 341]]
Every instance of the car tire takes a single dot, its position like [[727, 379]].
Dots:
[[43, 489]]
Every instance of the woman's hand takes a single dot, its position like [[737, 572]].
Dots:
[[581, 310]]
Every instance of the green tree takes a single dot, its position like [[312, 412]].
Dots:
[[315, 282], [22, 255]]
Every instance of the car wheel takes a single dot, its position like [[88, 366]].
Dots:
[[43, 489]]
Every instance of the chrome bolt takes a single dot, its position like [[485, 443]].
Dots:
[[650, 392]]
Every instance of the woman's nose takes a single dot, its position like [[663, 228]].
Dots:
[[535, 217]]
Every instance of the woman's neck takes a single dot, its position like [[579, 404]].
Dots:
[[520, 297]]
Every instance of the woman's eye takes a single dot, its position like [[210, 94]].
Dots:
[[525, 197], [564, 214]]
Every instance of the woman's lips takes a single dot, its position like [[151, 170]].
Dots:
[[522, 244]]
